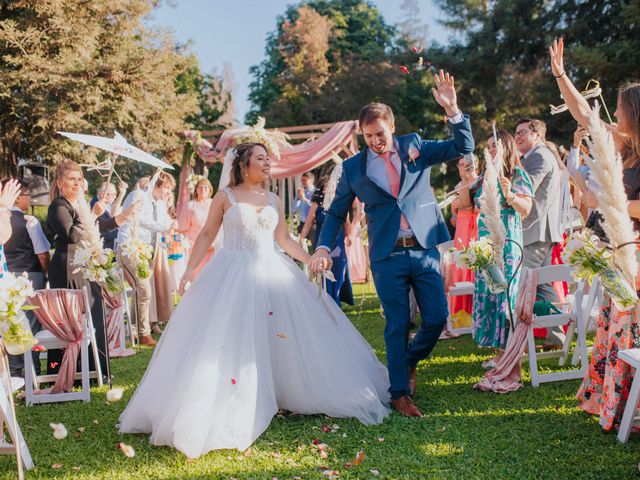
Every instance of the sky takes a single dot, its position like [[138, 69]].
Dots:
[[235, 32]]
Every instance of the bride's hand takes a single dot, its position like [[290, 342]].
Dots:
[[186, 278]]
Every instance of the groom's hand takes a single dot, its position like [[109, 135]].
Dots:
[[445, 93], [320, 261]]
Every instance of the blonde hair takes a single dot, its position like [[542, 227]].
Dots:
[[142, 183], [62, 170], [203, 181]]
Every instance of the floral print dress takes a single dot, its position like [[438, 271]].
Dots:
[[605, 387], [490, 311]]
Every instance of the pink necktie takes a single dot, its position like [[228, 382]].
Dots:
[[394, 184]]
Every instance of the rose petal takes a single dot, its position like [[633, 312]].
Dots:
[[233, 381], [56, 466], [359, 458], [404, 69], [374, 472], [282, 335], [315, 441]]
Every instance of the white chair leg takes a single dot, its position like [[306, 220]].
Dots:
[[566, 346], [29, 378], [533, 361], [629, 410], [84, 368]]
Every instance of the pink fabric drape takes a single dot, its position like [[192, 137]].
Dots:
[[114, 312], [506, 376], [294, 160], [301, 158], [182, 202], [60, 311]]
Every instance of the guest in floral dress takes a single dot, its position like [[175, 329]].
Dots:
[[490, 311], [605, 387]]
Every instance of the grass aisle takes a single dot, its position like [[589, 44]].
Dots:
[[534, 433]]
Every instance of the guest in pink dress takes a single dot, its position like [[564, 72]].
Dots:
[[356, 251], [198, 209], [466, 230]]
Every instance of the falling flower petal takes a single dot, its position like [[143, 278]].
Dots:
[[374, 472], [114, 394], [81, 429], [404, 69], [96, 422], [443, 429], [248, 452], [359, 458], [59, 431], [38, 348], [326, 428], [53, 364], [381, 439], [417, 49], [77, 469], [282, 335], [127, 450], [56, 466], [324, 455], [233, 381], [315, 441], [270, 314], [330, 473]]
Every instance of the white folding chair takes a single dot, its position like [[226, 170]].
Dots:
[[630, 417], [50, 341], [16, 439], [591, 301], [127, 319], [456, 290], [558, 273]]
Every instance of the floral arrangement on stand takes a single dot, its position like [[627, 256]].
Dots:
[[14, 326], [91, 259], [592, 259], [480, 255], [274, 140]]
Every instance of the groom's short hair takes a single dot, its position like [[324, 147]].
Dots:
[[373, 111]]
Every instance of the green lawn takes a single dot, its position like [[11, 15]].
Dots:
[[534, 433]]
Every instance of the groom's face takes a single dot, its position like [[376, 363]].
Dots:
[[378, 135]]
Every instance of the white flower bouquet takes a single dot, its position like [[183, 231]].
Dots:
[[591, 259], [479, 255], [141, 253], [14, 326]]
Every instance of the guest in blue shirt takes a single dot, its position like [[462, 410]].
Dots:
[[303, 198]]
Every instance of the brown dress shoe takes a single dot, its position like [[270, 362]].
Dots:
[[148, 341], [405, 406], [412, 381], [155, 328]]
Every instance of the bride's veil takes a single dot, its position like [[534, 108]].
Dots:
[[225, 177]]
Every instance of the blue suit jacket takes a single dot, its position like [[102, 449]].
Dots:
[[416, 199]]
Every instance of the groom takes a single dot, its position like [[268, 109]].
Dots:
[[392, 178]]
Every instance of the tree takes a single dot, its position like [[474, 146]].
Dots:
[[87, 66], [358, 44]]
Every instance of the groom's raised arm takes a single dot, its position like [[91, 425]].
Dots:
[[438, 151], [337, 213]]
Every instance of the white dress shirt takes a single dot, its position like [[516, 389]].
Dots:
[[148, 226]]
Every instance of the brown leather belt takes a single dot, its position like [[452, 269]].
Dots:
[[407, 242]]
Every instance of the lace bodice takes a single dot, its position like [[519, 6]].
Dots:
[[248, 228]]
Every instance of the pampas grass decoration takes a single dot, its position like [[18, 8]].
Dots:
[[606, 168], [89, 230], [332, 184], [490, 204]]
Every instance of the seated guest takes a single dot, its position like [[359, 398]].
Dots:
[[107, 204], [153, 221], [27, 251]]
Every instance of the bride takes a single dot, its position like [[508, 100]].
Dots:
[[251, 335]]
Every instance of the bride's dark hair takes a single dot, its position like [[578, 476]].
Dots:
[[241, 160]]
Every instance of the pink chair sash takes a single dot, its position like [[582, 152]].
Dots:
[[506, 376], [60, 311], [114, 312]]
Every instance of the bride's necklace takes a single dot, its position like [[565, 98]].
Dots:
[[257, 191]]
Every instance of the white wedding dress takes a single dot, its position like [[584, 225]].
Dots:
[[252, 336]]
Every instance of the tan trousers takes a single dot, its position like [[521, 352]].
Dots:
[[141, 293]]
